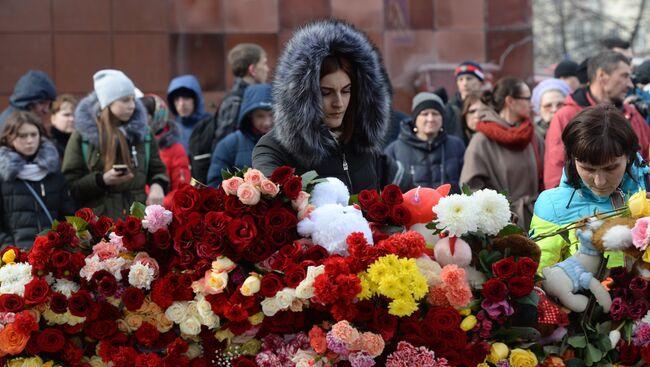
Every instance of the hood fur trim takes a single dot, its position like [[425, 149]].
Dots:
[[11, 163], [298, 112], [85, 121]]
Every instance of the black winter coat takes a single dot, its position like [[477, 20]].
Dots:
[[430, 163], [22, 218]]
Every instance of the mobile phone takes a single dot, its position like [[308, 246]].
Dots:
[[122, 169]]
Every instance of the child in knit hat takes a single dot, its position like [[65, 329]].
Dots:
[[111, 156]]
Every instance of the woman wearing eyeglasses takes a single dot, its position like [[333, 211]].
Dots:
[[548, 98], [505, 154]]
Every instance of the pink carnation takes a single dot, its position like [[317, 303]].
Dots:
[[343, 331], [371, 343], [231, 185], [438, 296], [453, 275], [459, 297], [640, 235], [156, 217]]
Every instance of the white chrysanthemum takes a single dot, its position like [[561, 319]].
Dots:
[[493, 211], [141, 275], [13, 278], [65, 286], [457, 214]]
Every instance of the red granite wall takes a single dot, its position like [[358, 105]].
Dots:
[[154, 40]]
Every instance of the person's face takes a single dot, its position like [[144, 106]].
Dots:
[[336, 90], [27, 140], [616, 84], [550, 102], [473, 114], [123, 108], [520, 104], [428, 123], [602, 180], [63, 120], [468, 84], [260, 71], [572, 81], [262, 120], [184, 105], [42, 109]]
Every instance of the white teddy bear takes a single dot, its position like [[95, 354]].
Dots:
[[332, 219]]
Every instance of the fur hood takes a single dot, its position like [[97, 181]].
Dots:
[[298, 112], [11, 163], [85, 121]]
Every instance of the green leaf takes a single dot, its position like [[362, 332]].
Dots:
[[137, 210], [354, 199], [466, 190], [627, 331], [565, 236], [603, 343], [55, 224], [531, 299], [574, 363], [510, 229], [593, 353], [79, 224], [431, 225], [307, 178], [578, 341], [226, 174]]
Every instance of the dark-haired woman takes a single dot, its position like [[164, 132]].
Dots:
[[330, 108], [505, 154], [34, 192], [602, 170]]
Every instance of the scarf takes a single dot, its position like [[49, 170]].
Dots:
[[32, 172], [514, 138]]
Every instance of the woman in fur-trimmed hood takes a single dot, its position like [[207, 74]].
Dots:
[[111, 156], [331, 106], [33, 189]]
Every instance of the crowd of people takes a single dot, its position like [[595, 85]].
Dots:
[[573, 144]]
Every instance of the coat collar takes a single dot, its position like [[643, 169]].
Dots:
[[11, 163]]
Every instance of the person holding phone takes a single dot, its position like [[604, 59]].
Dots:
[[112, 155]]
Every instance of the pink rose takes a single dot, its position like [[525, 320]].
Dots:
[[231, 185], [269, 188], [301, 201], [305, 212], [640, 235], [254, 177], [248, 194], [106, 250], [145, 259]]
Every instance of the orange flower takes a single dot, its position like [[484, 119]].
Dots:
[[317, 340], [552, 361], [12, 341]]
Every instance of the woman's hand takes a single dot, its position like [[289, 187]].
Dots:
[[156, 195], [113, 177]]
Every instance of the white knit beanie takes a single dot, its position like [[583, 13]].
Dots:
[[111, 85]]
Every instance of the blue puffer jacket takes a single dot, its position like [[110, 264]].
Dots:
[[431, 163], [32, 87], [236, 149], [186, 124], [564, 204]]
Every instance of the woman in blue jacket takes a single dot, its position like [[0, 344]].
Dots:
[[431, 155], [236, 149], [602, 170]]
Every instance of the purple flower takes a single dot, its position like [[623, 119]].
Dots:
[[639, 309], [641, 335], [496, 309], [267, 359], [336, 345], [361, 359], [639, 287], [618, 309], [503, 363]]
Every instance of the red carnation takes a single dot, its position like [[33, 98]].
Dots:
[[147, 334], [494, 290], [367, 198], [86, 214], [504, 269], [10, 302], [392, 195], [133, 298], [281, 174], [292, 187], [58, 303], [270, 285], [520, 286], [25, 322], [378, 212], [235, 312], [526, 267], [50, 340], [36, 291], [149, 360]]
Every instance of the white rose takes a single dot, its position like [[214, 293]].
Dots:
[[204, 308], [314, 271], [270, 306], [305, 289], [176, 312], [223, 263], [194, 350], [285, 297], [190, 326], [192, 309], [212, 321], [251, 285]]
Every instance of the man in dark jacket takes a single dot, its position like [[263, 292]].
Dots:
[[33, 92], [469, 79]]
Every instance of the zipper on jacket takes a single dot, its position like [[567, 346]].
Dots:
[[347, 172], [42, 190]]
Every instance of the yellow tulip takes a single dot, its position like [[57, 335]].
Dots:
[[468, 323], [9, 257], [639, 205]]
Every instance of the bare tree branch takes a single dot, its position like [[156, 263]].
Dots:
[[637, 22]]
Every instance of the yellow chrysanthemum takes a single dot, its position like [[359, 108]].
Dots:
[[391, 287], [377, 271], [366, 288], [402, 307]]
